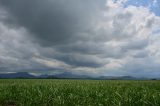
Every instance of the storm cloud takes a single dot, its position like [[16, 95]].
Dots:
[[54, 21], [85, 37]]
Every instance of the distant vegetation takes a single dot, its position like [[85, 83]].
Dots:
[[49, 92]]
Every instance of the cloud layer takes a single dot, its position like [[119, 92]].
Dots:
[[85, 37]]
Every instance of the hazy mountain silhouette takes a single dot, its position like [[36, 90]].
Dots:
[[17, 75], [65, 75]]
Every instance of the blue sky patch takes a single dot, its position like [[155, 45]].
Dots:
[[154, 5]]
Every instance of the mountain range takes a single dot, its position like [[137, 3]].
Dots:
[[65, 75]]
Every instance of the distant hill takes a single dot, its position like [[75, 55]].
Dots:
[[17, 75], [117, 77], [70, 75], [66, 75], [27, 75]]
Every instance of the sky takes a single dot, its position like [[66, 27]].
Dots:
[[85, 37]]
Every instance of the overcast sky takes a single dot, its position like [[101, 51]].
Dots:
[[90, 37]]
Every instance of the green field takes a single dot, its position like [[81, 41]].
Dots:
[[41, 92]]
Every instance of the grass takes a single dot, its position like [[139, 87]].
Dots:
[[48, 92]]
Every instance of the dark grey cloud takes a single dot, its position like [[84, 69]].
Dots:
[[81, 60], [135, 45], [54, 21]]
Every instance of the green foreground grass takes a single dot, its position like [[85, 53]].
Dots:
[[41, 92]]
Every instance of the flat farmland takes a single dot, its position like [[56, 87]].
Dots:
[[65, 92]]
